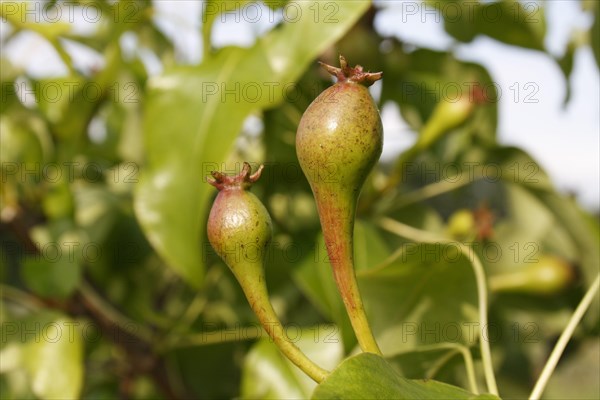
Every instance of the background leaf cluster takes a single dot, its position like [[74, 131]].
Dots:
[[148, 310]]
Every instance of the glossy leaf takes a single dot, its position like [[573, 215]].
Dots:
[[50, 348], [426, 296], [193, 116], [445, 364], [49, 381], [368, 376], [511, 22], [268, 374]]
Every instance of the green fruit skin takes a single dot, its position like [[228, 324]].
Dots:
[[240, 229], [461, 224], [446, 115], [338, 142], [549, 275]]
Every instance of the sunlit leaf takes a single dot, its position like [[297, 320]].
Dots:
[[511, 22], [368, 376], [268, 374], [194, 114], [426, 296], [53, 357]]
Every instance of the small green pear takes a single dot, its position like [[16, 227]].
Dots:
[[338, 142]]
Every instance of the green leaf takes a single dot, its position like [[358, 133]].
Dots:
[[56, 270], [96, 212], [418, 81], [577, 374], [8, 74], [193, 115], [595, 33], [426, 296], [58, 201], [520, 235], [51, 278], [508, 21], [53, 96], [518, 167], [369, 247], [53, 356], [21, 145], [48, 380], [444, 363], [315, 279], [17, 14], [210, 372], [368, 376], [267, 374], [583, 230], [566, 66], [212, 9], [585, 234]]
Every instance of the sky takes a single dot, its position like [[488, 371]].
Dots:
[[564, 140]]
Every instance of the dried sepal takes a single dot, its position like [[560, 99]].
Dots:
[[243, 180]]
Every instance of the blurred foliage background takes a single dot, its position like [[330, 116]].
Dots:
[[110, 288]]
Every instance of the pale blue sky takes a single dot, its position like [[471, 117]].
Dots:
[[566, 142]]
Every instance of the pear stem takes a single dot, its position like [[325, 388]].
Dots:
[[258, 299], [563, 340], [343, 273], [338, 225]]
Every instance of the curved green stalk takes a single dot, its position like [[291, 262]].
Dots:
[[234, 334], [418, 235], [455, 348], [542, 381], [239, 229], [337, 221], [258, 298]]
